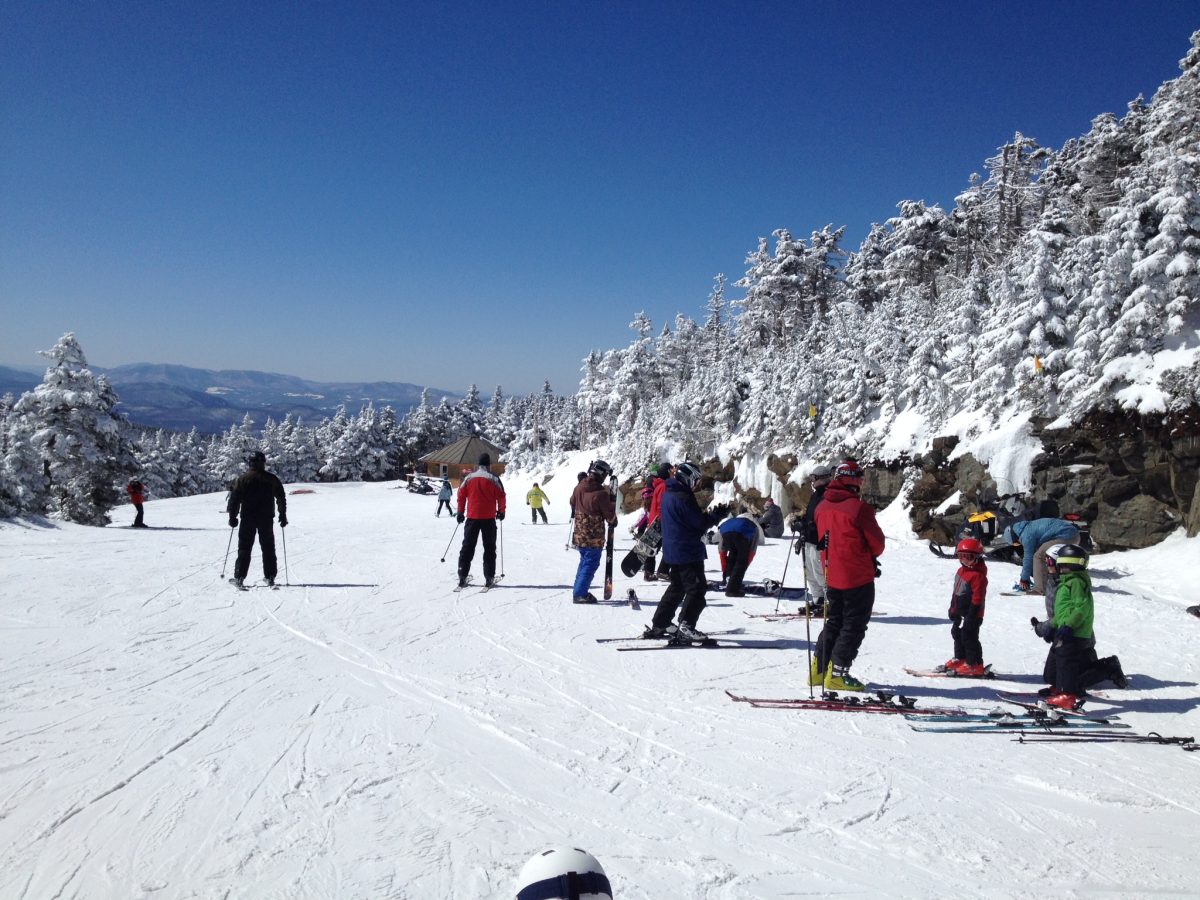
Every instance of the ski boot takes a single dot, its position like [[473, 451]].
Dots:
[[840, 679], [967, 670], [1063, 701], [950, 665], [687, 634], [816, 676]]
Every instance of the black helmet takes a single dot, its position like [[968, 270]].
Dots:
[[258, 460], [689, 474], [600, 469], [1070, 558]]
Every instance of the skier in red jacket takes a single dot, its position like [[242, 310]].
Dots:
[[481, 502], [966, 610], [851, 542]]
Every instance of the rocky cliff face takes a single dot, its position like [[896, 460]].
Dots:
[[1133, 478]]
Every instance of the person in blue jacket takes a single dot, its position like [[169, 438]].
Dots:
[[1037, 537], [741, 536], [683, 528]]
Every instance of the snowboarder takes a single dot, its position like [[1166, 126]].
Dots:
[[664, 471], [595, 512], [534, 500], [1095, 670], [852, 542], [771, 519], [806, 542], [481, 503], [683, 527], [1036, 537], [444, 496], [966, 609], [255, 495], [137, 496], [741, 536]]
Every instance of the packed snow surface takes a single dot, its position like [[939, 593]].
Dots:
[[367, 732]]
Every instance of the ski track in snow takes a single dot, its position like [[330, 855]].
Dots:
[[368, 732]]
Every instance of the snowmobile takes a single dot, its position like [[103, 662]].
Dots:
[[991, 523]]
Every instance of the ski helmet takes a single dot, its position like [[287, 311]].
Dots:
[[1070, 558], [566, 873], [258, 460], [849, 475], [600, 469], [689, 474], [969, 551]]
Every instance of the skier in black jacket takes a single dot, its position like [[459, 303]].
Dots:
[[255, 494]]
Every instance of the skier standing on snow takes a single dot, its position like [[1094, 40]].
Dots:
[[137, 496], [534, 500], [772, 519], [966, 610], [481, 502], [444, 496], [255, 495], [683, 528], [595, 511], [806, 542], [852, 542], [741, 536]]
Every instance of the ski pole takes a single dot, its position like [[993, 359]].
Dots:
[[447, 550], [283, 534], [779, 592], [227, 546], [570, 535], [501, 548], [807, 628]]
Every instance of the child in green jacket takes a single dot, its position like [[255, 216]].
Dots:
[[1071, 626]]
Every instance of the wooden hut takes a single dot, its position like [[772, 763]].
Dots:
[[461, 459]]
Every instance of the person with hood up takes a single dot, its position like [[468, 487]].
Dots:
[[851, 542], [481, 503], [255, 495], [683, 528], [137, 496]]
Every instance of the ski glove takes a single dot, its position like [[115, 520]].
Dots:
[[459, 518], [1044, 630], [1064, 633], [878, 571], [233, 521], [283, 521], [719, 512], [500, 516]]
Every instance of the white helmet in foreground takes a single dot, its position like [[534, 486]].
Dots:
[[563, 873]]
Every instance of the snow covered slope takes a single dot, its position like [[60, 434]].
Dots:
[[367, 732]]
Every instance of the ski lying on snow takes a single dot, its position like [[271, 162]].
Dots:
[[776, 617], [948, 673], [638, 637], [1011, 726], [1043, 717], [711, 644], [1104, 737], [881, 702]]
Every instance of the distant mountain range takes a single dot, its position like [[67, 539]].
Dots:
[[179, 397]]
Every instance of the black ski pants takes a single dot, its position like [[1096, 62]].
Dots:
[[688, 585], [445, 503], [1093, 670], [141, 511], [535, 510], [847, 614], [471, 532], [1073, 658], [967, 647], [265, 529], [738, 553]]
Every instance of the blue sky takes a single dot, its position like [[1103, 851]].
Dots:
[[483, 192]]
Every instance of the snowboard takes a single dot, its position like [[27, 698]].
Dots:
[[648, 544]]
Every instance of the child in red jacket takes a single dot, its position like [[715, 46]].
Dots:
[[966, 610]]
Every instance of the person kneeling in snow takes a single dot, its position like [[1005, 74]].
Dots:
[[1071, 665]]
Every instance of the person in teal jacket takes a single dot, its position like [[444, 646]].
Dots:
[[1036, 536]]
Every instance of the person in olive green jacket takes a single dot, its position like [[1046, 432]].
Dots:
[[534, 499]]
